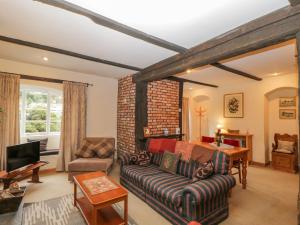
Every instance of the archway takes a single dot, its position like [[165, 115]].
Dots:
[[273, 123]]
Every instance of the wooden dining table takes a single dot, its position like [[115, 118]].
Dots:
[[234, 153]]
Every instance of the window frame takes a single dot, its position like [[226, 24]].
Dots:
[[23, 107]]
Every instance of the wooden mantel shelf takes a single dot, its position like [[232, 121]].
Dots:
[[163, 136]]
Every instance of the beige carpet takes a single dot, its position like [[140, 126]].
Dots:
[[270, 198]]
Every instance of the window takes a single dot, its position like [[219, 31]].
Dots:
[[40, 111]]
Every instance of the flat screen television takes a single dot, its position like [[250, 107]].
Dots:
[[21, 155]]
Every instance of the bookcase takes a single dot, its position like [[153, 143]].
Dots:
[[245, 141]]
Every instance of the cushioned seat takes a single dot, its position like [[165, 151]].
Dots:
[[136, 173], [166, 187], [81, 165]]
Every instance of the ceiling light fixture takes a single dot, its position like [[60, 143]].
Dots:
[[45, 58]]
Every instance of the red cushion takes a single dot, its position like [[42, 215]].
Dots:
[[235, 143], [155, 145], [208, 139], [168, 145], [194, 223]]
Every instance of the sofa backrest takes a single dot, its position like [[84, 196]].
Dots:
[[96, 140], [186, 168], [221, 163]]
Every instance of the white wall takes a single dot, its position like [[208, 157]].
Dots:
[[254, 106], [102, 97]]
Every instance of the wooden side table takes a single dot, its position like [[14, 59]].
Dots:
[[97, 209]]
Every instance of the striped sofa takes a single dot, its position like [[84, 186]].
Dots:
[[175, 196]]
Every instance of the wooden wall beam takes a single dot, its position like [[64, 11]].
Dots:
[[112, 24], [66, 52], [265, 31], [294, 2], [238, 72], [298, 60], [192, 81]]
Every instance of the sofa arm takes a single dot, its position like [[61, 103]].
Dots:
[[124, 159], [196, 196]]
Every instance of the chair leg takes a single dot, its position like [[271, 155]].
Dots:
[[240, 174]]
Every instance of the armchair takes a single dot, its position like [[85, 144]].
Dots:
[[285, 159], [85, 165]]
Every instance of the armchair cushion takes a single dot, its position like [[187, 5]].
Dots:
[[85, 150], [103, 149], [91, 164]]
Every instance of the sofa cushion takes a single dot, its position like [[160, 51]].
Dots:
[[156, 158], [142, 158], [168, 145], [135, 173], [187, 169], [185, 149], [165, 186], [90, 164], [154, 145], [204, 171], [169, 162]]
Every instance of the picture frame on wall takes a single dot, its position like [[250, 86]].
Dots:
[[234, 105], [287, 102], [287, 114]]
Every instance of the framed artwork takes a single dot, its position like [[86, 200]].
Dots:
[[287, 101], [146, 132], [234, 105], [287, 114]]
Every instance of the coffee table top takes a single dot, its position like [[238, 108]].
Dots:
[[102, 197]]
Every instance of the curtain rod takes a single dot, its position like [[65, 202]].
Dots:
[[45, 79]]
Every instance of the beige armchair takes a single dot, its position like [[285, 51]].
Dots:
[[85, 165]]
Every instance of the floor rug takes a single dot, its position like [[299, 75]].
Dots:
[[57, 211]]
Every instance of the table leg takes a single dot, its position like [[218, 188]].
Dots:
[[95, 216], [75, 193], [35, 176], [126, 210], [244, 171], [230, 165]]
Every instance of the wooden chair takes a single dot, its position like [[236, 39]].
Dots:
[[207, 139], [236, 163], [285, 161]]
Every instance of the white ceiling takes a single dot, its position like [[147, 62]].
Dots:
[[184, 23], [276, 61]]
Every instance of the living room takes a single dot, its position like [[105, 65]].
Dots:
[[184, 125]]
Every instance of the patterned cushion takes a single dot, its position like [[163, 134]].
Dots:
[[142, 158], [103, 149], [221, 163], [156, 158], [166, 187], [86, 150], [185, 149], [187, 168], [43, 143], [204, 171], [169, 162]]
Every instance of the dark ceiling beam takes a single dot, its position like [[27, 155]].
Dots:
[[238, 72], [191, 81], [66, 52], [294, 2], [112, 24], [265, 31]]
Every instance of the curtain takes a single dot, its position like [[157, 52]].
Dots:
[[185, 119], [73, 129], [9, 115]]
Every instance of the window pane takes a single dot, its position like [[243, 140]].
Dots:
[[36, 114], [35, 127], [36, 100], [55, 115], [56, 102], [55, 126]]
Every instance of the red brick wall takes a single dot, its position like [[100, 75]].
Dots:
[[163, 105], [126, 115]]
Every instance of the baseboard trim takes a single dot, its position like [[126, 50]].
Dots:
[[253, 163]]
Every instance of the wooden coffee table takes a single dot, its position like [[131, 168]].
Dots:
[[97, 209]]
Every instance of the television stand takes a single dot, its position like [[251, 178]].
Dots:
[[20, 174]]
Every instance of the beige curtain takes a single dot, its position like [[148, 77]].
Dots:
[[9, 118], [185, 119], [73, 123]]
